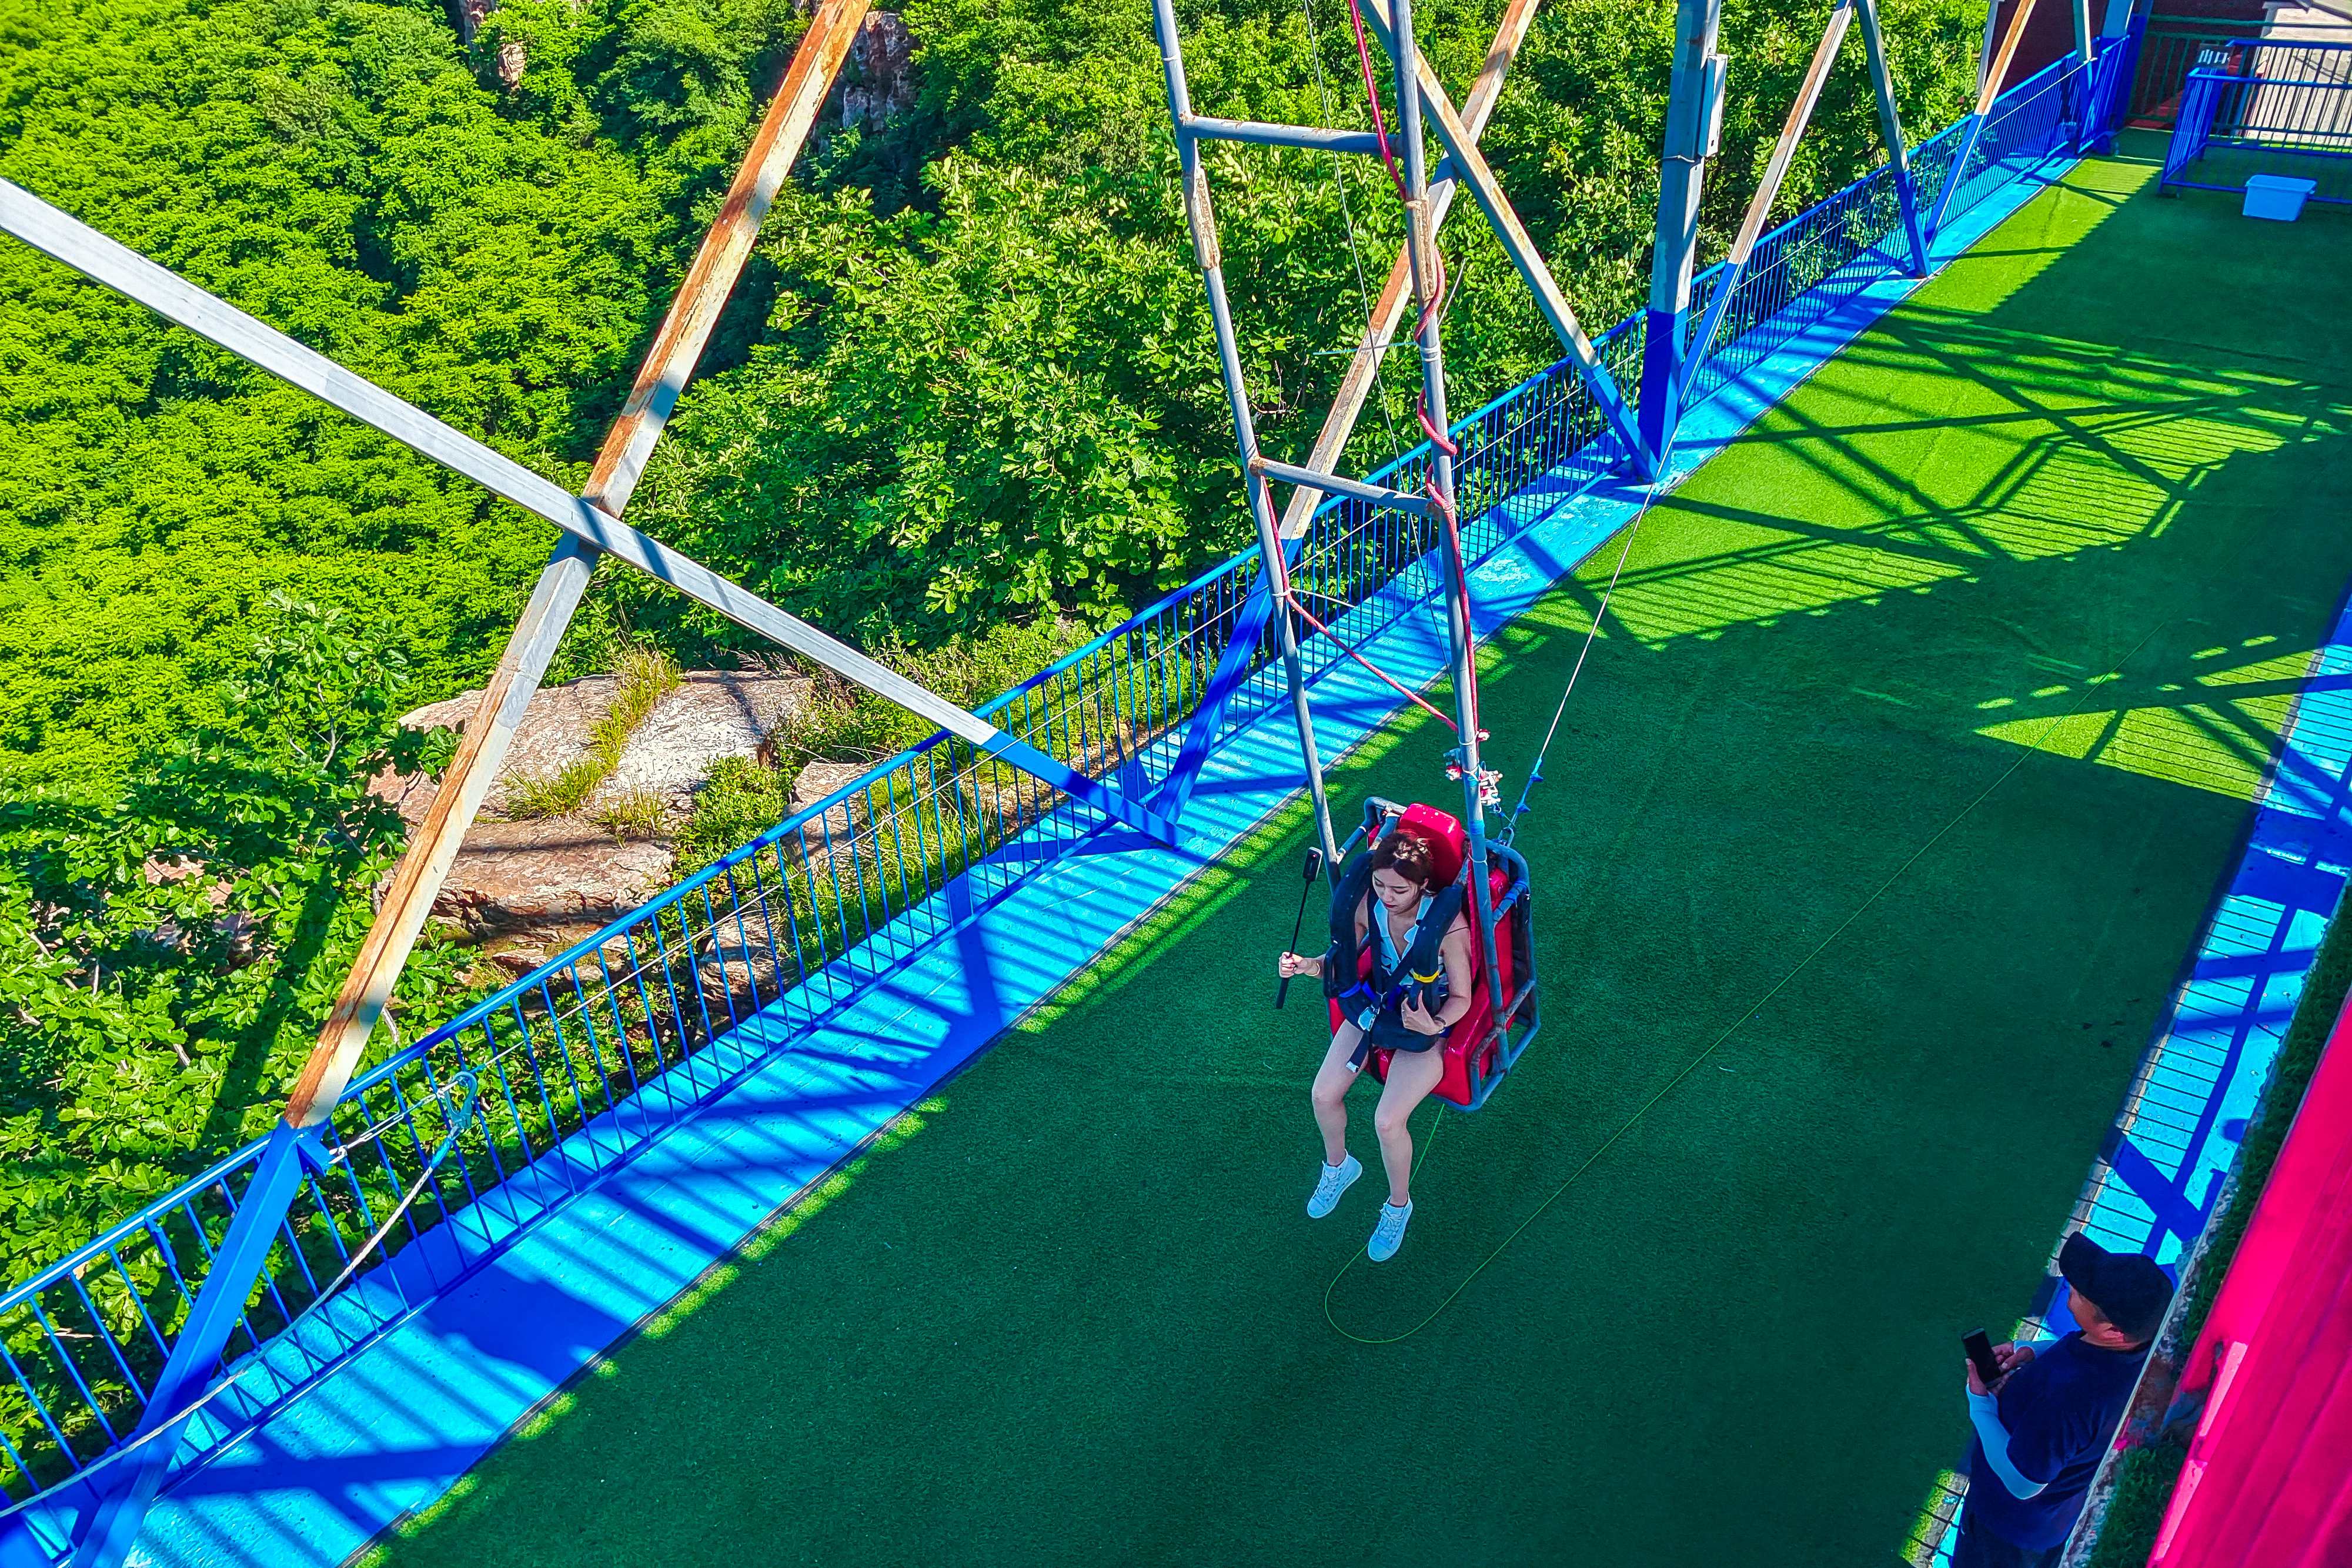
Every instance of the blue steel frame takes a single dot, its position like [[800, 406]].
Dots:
[[2237, 103], [585, 1062]]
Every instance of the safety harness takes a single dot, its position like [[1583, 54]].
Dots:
[[1356, 971]]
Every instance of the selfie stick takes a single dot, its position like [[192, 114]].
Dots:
[[1314, 870]]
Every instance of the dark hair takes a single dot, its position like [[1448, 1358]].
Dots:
[[1405, 853]]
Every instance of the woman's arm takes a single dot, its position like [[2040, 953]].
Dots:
[[1295, 964], [1454, 954], [1459, 975]]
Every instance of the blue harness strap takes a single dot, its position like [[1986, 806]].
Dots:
[[1403, 970]]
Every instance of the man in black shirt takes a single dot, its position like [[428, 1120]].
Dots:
[[2043, 1427]]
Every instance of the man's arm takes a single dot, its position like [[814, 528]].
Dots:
[[1984, 1412]]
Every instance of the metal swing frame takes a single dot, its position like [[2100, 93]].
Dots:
[[1524, 1013], [1413, 275]]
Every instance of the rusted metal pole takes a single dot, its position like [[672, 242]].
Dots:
[[1363, 368], [668, 364]]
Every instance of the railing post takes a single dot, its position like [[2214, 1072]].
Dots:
[[236, 1269], [1694, 120]]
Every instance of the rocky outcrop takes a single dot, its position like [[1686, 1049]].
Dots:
[[527, 888], [880, 80], [469, 16]]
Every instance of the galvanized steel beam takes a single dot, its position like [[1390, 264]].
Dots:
[[1335, 485], [592, 524], [51, 231], [668, 365], [1462, 152], [1768, 190], [1388, 313], [1258, 134]]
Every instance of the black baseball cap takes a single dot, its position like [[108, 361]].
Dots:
[[2127, 1288]]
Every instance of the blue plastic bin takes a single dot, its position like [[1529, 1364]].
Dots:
[[2277, 197]]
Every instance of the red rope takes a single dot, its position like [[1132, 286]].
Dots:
[[1394, 685], [1433, 308], [1372, 97]]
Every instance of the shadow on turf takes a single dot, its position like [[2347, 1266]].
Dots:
[[1948, 617]]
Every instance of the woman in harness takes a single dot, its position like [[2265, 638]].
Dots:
[[1416, 985]]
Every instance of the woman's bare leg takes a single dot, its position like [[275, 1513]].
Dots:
[[1412, 1075], [1333, 1082]]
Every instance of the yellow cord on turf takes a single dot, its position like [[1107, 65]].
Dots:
[[2090, 688]]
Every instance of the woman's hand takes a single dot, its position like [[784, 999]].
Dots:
[[1419, 1019], [1293, 965]]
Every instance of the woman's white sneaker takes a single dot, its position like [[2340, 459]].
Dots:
[[1335, 1181], [1389, 1234]]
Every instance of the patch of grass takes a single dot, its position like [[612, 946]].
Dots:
[[644, 675], [740, 800], [842, 722], [2143, 1479], [633, 814]]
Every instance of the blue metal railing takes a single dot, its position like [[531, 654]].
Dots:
[[584, 1062], [1806, 267], [2279, 105]]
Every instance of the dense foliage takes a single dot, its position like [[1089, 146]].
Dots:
[[965, 400]]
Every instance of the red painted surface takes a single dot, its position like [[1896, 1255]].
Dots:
[[2049, 33], [2269, 1479]]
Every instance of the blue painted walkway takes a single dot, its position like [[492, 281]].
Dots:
[[394, 1430]]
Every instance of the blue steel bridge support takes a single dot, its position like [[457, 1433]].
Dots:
[[1673, 354], [237, 1267], [1694, 127], [1768, 190]]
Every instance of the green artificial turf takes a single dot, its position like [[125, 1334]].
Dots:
[[2088, 490]]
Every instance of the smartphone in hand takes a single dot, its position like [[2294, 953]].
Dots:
[[1978, 1345]]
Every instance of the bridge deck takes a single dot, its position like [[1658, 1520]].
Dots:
[[1928, 715]]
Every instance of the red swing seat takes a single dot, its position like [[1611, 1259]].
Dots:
[[1476, 1055]]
